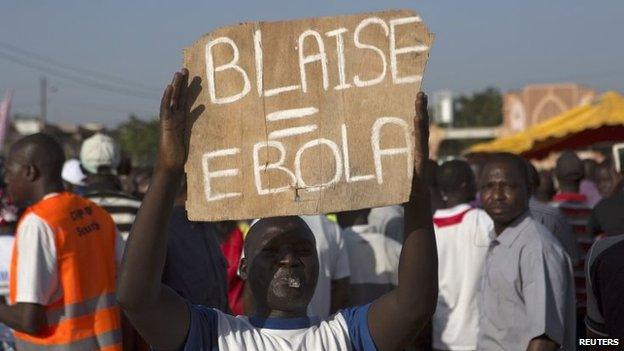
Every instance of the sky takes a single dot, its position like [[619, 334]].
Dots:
[[138, 44]]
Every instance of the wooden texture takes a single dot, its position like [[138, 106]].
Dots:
[[284, 109]]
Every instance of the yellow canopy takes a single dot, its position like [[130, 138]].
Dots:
[[607, 111]]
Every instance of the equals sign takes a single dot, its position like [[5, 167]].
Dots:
[[291, 114]]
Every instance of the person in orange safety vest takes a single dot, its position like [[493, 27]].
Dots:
[[62, 277]]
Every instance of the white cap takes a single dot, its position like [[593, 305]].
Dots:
[[100, 150], [72, 173]]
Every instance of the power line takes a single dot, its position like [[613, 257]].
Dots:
[[90, 105], [80, 80], [84, 71], [110, 108]]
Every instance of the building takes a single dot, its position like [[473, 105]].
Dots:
[[70, 135], [442, 107], [538, 102]]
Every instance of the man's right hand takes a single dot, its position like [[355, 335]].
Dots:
[[174, 107]]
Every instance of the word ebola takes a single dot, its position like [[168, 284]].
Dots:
[[340, 155]]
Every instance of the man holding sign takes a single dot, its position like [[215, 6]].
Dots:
[[281, 268]]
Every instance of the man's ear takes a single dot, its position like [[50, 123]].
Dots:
[[242, 268], [31, 173]]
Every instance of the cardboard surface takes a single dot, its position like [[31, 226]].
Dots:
[[304, 117]]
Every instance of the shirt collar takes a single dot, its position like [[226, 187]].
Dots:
[[569, 197], [364, 229], [104, 185], [50, 195], [283, 323], [451, 211], [511, 233]]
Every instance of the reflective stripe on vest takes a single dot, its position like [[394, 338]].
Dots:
[[90, 306], [96, 342]]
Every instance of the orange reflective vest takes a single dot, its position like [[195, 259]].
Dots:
[[86, 317]]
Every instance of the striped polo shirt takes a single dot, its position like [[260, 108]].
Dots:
[[553, 219], [576, 209], [121, 206]]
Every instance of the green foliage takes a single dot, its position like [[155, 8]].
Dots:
[[139, 139], [482, 109]]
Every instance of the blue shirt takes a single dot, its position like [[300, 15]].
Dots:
[[195, 267]]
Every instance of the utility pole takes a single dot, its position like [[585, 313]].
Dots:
[[43, 91]]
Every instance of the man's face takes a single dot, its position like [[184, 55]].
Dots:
[[503, 192], [282, 266], [605, 181], [16, 179]]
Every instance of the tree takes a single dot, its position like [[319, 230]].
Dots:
[[139, 139], [482, 109]]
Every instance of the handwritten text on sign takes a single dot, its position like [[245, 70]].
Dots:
[[306, 116]]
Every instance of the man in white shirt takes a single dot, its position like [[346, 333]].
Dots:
[[373, 258], [462, 236], [332, 286], [63, 257], [280, 267], [388, 220]]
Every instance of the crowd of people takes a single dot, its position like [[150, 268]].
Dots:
[[489, 255]]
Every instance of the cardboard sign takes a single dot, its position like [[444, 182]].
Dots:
[[304, 117]]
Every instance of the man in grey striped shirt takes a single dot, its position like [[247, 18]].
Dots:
[[100, 157], [552, 218]]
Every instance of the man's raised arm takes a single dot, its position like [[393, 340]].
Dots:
[[397, 317], [157, 312]]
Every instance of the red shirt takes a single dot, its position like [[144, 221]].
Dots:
[[232, 249]]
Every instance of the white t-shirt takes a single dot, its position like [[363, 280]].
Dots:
[[389, 221], [212, 330], [374, 262], [333, 262], [6, 252], [462, 236], [37, 268]]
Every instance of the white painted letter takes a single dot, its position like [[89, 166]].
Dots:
[[292, 131], [337, 160], [394, 51], [347, 165], [259, 63], [267, 166], [341, 58], [210, 196], [356, 38], [291, 113], [378, 152], [211, 70], [303, 59], [260, 70]]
